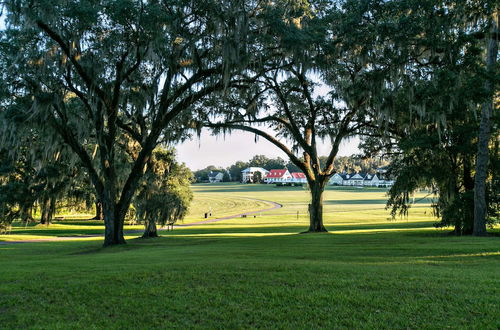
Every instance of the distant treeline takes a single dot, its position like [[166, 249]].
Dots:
[[354, 163]]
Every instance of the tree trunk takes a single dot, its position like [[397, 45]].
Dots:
[[484, 136], [27, 212], [113, 223], [99, 214], [316, 208], [468, 182], [150, 230], [46, 210], [467, 177], [52, 208]]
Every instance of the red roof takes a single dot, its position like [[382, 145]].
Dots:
[[298, 175], [276, 173]]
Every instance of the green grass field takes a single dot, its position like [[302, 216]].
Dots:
[[367, 272]]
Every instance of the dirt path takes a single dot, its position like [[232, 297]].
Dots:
[[70, 238]]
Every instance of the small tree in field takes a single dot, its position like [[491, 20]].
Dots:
[[165, 194]]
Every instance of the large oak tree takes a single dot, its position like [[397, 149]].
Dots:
[[98, 73], [320, 90]]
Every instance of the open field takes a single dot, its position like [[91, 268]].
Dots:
[[368, 272]]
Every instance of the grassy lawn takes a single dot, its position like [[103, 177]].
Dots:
[[368, 272]]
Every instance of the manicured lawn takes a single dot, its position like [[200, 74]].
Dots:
[[368, 272]]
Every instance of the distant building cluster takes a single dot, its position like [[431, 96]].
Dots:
[[285, 177], [281, 176], [361, 179]]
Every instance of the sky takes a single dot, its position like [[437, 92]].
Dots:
[[219, 151]]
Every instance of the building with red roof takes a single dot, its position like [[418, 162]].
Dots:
[[298, 177], [278, 176]]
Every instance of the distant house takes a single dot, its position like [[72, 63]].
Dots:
[[372, 180], [278, 176], [345, 179], [360, 179], [215, 177], [298, 178], [356, 179], [338, 179], [248, 173]]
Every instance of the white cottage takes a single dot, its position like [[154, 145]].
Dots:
[[215, 177], [248, 173], [372, 180], [338, 179]]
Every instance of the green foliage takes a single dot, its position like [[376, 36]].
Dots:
[[18, 189], [434, 80], [202, 175], [257, 177], [265, 162], [226, 177], [165, 194]]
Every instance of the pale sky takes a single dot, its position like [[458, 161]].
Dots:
[[220, 151]]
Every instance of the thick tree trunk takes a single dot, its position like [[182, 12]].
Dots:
[[113, 223], [316, 208], [484, 137], [150, 230]]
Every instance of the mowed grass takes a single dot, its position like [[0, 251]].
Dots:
[[368, 272]]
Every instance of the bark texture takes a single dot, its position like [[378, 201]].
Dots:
[[316, 208], [485, 135], [113, 224], [48, 210], [99, 214]]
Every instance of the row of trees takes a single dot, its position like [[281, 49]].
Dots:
[[110, 80], [28, 186]]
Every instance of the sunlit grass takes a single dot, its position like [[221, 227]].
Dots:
[[368, 272]]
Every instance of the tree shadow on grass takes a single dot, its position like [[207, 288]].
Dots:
[[294, 228]]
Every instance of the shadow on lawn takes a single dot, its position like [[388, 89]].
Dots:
[[391, 243], [295, 229], [216, 230], [57, 232], [355, 201]]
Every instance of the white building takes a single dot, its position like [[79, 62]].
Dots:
[[337, 179], [248, 173], [278, 176], [356, 179], [359, 179], [215, 177], [372, 180]]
